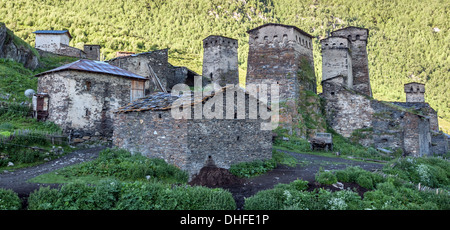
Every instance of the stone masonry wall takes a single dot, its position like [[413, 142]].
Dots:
[[283, 55], [375, 123], [191, 143], [137, 64], [360, 65], [154, 134], [220, 60], [83, 102]]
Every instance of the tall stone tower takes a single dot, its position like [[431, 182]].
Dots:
[[360, 64], [276, 54], [283, 55], [415, 92], [336, 59], [220, 60], [92, 52]]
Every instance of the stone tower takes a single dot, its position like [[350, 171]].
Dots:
[[336, 59], [360, 64], [220, 60], [283, 55], [276, 53], [92, 52], [415, 92]]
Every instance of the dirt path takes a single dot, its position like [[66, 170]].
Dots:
[[17, 179]]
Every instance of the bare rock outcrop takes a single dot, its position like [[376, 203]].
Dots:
[[11, 47]]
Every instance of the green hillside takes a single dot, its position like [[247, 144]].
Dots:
[[409, 40]]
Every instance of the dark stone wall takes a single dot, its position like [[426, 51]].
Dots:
[[191, 143], [375, 123], [360, 63], [137, 63]]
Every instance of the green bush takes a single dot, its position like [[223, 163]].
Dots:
[[326, 177], [123, 165], [294, 197], [43, 199], [430, 171], [9, 200], [342, 176], [116, 195], [365, 181], [254, 168]]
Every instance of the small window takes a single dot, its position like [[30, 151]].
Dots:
[[357, 37], [90, 48], [87, 85], [159, 116]]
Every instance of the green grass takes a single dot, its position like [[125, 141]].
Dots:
[[118, 164]]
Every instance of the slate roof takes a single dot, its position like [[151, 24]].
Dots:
[[94, 67], [161, 101], [52, 32]]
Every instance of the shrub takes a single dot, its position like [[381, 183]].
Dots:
[[122, 165], [43, 199], [9, 200], [365, 181], [114, 195], [326, 177], [271, 199], [342, 176]]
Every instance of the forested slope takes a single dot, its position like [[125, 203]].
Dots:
[[408, 41]]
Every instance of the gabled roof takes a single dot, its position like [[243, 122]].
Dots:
[[53, 32], [94, 67], [161, 101], [287, 26]]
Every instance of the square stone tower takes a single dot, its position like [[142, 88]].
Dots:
[[415, 92], [220, 60], [360, 64], [336, 59], [276, 54], [92, 52], [283, 55]]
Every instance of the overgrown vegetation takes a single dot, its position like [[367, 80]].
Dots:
[[118, 164], [255, 168], [138, 195], [392, 189], [125, 181], [9, 200]]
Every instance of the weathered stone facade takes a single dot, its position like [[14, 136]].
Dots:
[[415, 92], [375, 123], [81, 102], [92, 52], [337, 59], [167, 74], [147, 126], [282, 54], [360, 63], [220, 60]]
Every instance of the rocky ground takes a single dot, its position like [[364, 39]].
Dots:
[[209, 177]]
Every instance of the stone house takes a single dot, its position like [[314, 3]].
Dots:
[[57, 42], [156, 63], [148, 126], [81, 96]]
